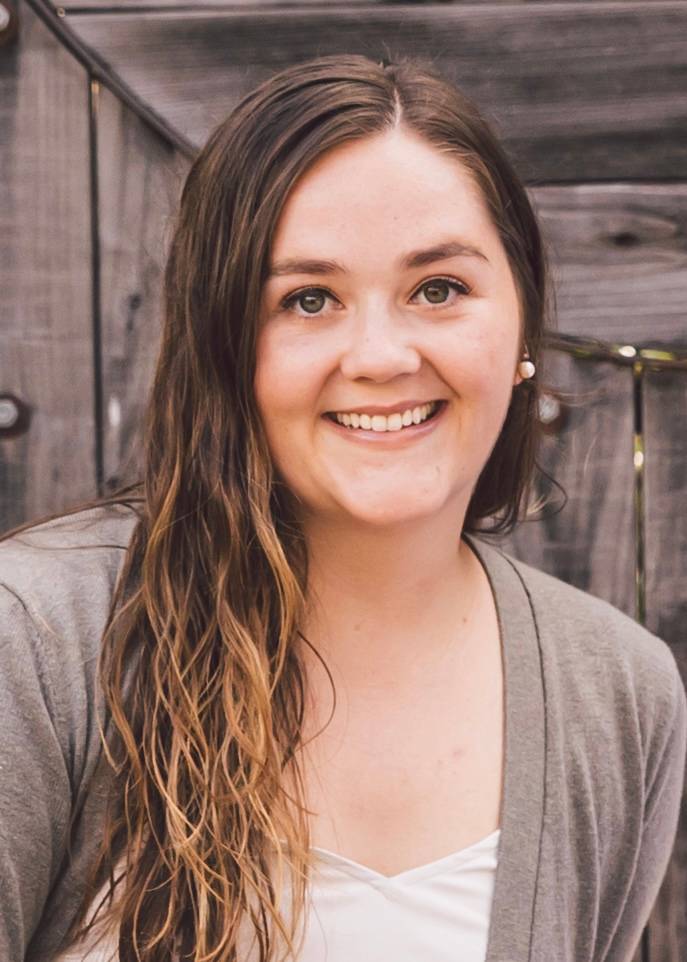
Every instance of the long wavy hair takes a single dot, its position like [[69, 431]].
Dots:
[[199, 667]]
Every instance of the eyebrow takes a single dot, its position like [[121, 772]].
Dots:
[[439, 252]]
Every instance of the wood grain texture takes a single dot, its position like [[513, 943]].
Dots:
[[140, 178], [619, 260], [110, 5], [590, 542], [572, 92], [665, 415], [45, 247]]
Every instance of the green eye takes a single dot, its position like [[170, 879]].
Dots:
[[318, 294], [439, 284]]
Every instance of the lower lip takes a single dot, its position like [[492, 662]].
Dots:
[[389, 437]]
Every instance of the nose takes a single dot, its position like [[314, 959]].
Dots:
[[379, 347]]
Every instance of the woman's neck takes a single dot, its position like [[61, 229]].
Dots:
[[387, 605]]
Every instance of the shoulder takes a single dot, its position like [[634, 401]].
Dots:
[[57, 580], [90, 541], [592, 624], [56, 584], [600, 659], [65, 568]]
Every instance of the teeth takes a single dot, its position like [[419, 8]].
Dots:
[[395, 421]]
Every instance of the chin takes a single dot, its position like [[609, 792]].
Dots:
[[389, 510]]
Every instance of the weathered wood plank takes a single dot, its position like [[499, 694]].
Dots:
[[140, 178], [45, 248], [589, 543], [619, 259], [568, 100], [665, 415], [114, 5], [110, 5]]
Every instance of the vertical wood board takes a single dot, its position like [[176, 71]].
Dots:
[[140, 182], [45, 246], [590, 542], [665, 417]]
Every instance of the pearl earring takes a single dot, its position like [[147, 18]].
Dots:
[[526, 369]]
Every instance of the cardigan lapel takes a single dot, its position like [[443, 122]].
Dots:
[[522, 803]]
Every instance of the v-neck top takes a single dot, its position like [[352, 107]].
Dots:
[[438, 911], [594, 750]]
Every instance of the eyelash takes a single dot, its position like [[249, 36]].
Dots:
[[458, 286]]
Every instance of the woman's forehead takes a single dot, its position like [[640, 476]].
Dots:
[[365, 195], [392, 167]]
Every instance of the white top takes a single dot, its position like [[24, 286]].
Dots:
[[439, 911]]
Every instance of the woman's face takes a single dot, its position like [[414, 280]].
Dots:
[[377, 323]]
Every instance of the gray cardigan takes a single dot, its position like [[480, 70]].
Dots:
[[596, 735]]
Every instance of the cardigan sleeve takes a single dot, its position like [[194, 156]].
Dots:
[[56, 587], [35, 790], [665, 771]]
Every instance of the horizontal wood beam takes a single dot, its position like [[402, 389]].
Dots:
[[571, 91]]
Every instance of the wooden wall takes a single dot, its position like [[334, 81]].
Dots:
[[101, 107]]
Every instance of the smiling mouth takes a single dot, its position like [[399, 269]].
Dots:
[[395, 423]]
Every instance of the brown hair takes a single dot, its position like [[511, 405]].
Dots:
[[202, 679]]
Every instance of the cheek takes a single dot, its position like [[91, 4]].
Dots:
[[287, 384], [478, 367]]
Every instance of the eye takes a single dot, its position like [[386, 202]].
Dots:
[[314, 295], [439, 284]]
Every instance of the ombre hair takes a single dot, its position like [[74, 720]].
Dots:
[[200, 668]]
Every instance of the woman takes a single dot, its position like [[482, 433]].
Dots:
[[325, 699]]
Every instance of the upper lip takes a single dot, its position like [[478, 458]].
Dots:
[[385, 409]]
